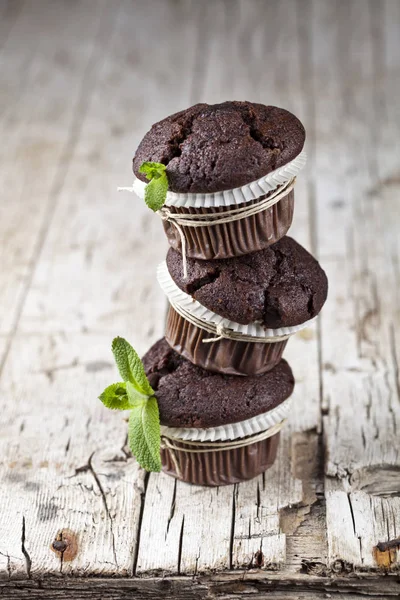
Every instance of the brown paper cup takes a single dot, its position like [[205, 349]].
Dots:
[[235, 238], [221, 467], [226, 356]]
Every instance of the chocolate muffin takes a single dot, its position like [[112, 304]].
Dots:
[[219, 240], [280, 286], [211, 148], [189, 396], [231, 171], [204, 464]]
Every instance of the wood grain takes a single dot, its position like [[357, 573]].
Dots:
[[359, 249], [80, 86], [64, 474], [249, 529], [228, 586]]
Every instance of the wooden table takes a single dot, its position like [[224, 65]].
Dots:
[[81, 82]]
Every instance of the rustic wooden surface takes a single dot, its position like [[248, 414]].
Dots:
[[80, 84]]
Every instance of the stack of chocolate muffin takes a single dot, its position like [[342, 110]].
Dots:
[[238, 287]]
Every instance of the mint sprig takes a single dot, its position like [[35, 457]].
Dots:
[[144, 430], [155, 192], [136, 394], [130, 366], [115, 397]]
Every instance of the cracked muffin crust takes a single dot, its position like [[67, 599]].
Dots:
[[189, 396], [280, 286], [211, 148]]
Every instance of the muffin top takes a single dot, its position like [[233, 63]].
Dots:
[[189, 396], [215, 147], [280, 286]]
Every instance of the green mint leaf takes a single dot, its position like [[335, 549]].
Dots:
[[144, 434], [115, 397], [130, 366], [152, 169], [135, 393], [156, 193], [156, 190], [134, 396]]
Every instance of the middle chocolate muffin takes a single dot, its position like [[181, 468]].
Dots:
[[229, 356], [260, 299]]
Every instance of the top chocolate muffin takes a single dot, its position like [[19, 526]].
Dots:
[[214, 147]]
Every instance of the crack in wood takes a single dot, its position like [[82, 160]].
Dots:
[[232, 532], [258, 560], [180, 547], [140, 521], [105, 503], [258, 501], [28, 561], [172, 510], [352, 513]]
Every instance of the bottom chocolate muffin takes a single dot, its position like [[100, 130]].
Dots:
[[192, 463], [195, 403], [189, 396]]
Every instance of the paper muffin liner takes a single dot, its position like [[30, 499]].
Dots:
[[240, 195], [231, 431], [219, 468], [179, 298], [226, 240], [231, 357]]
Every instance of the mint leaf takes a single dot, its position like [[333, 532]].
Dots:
[[115, 397], [134, 396], [130, 366], [152, 169], [155, 192], [136, 393], [144, 434]]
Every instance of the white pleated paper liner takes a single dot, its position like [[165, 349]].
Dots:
[[231, 431], [240, 195], [192, 306]]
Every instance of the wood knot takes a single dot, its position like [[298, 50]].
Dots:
[[385, 553], [60, 545], [341, 566], [65, 545], [391, 544]]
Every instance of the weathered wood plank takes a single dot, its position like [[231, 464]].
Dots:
[[248, 530], [43, 84], [228, 586], [70, 470], [192, 530], [75, 277], [357, 240], [38, 134]]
